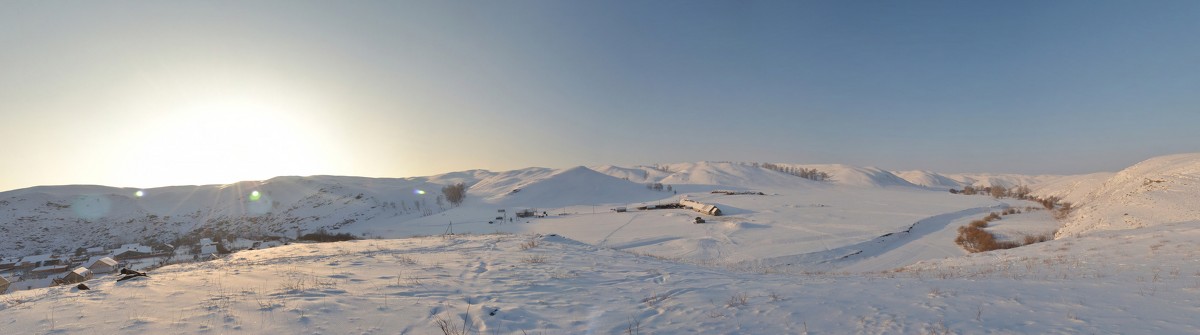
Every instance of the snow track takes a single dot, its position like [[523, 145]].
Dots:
[[929, 238]]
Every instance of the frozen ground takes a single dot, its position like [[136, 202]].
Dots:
[[1147, 282], [870, 252]]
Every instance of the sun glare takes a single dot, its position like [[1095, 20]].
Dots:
[[228, 139]]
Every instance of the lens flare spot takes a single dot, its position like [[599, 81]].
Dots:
[[254, 196], [419, 192], [139, 194]]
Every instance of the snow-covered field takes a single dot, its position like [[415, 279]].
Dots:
[[869, 251]]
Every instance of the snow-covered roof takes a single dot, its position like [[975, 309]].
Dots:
[[50, 268], [37, 258], [132, 247], [103, 260]]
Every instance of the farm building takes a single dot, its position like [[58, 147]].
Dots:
[[700, 207], [526, 212], [4, 283], [208, 250], [103, 265], [78, 275]]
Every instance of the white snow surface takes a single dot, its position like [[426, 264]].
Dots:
[[1156, 191], [867, 252]]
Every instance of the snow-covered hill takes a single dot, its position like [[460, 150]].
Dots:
[[556, 188], [930, 179], [60, 219], [875, 249], [1156, 191]]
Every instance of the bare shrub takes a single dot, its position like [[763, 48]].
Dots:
[[534, 259], [532, 243], [993, 216], [737, 300]]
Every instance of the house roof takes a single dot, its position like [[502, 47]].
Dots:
[[82, 271], [37, 258], [50, 268], [105, 261]]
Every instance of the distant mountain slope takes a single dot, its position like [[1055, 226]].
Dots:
[[1073, 189], [555, 188], [857, 176], [728, 174], [930, 179], [1156, 191], [60, 219], [1006, 180]]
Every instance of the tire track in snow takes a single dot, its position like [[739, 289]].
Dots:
[[610, 234]]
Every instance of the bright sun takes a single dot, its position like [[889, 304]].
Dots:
[[228, 139]]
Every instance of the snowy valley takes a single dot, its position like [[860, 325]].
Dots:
[[865, 250]]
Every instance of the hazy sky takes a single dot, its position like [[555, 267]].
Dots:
[[153, 93]]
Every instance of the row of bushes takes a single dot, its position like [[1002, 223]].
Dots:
[[974, 238], [323, 236]]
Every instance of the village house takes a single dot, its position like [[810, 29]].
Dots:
[[96, 251], [8, 263], [132, 251], [36, 261], [45, 271], [78, 275], [103, 265]]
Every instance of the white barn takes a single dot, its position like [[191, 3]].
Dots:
[[701, 207]]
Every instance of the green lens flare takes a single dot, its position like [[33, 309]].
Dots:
[[254, 196]]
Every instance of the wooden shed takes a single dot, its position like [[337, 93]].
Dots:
[[4, 283]]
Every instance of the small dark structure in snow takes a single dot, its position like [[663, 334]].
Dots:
[[619, 209], [525, 213], [701, 207], [699, 220]]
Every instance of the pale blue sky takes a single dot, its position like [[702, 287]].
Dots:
[[148, 94]]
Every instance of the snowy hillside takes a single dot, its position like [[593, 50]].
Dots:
[[1073, 189], [1157, 191], [946, 181], [60, 219], [930, 179], [556, 188], [867, 251]]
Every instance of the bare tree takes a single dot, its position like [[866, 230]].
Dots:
[[455, 193]]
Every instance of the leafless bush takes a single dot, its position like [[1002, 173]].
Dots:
[[737, 300], [993, 216], [534, 259], [532, 243]]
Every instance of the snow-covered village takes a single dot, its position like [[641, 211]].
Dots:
[[465, 167]]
